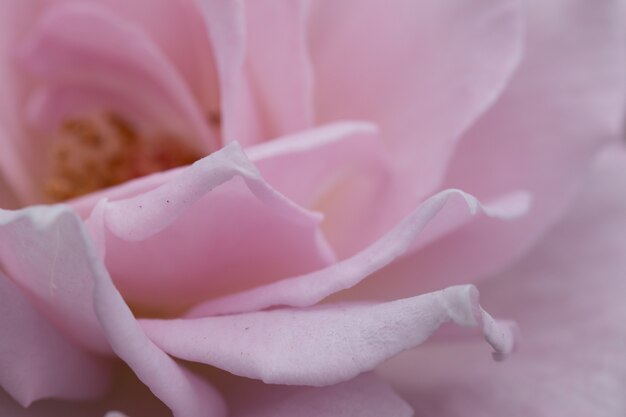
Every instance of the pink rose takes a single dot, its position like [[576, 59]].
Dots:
[[321, 232]]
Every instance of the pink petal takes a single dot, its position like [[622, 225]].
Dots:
[[39, 250], [186, 394], [222, 229], [277, 65], [568, 294], [364, 396], [84, 51], [179, 31], [36, 360], [309, 289], [323, 345], [565, 101], [182, 391], [16, 17], [422, 71], [225, 23], [343, 170]]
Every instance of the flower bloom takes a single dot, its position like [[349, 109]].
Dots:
[[247, 207]]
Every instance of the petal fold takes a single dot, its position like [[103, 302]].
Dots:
[[93, 60], [38, 250], [308, 289], [568, 296], [278, 67], [223, 228], [565, 101], [422, 71], [327, 344]]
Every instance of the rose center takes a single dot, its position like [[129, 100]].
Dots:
[[101, 151]]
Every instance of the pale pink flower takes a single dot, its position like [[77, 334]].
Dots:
[[362, 170]]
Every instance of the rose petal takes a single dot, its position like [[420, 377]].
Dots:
[[565, 100], [16, 17], [343, 170], [422, 71], [364, 396], [36, 360], [221, 234], [323, 345], [225, 23], [38, 250], [178, 30], [88, 51], [185, 393], [568, 294], [311, 288], [182, 391], [277, 65]]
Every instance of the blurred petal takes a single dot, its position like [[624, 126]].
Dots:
[[127, 395], [327, 344], [8, 199], [83, 51], [277, 65], [309, 289], [364, 396], [178, 30], [36, 360], [16, 19], [421, 70], [563, 103], [14, 168], [223, 228], [225, 23], [344, 171], [568, 295]]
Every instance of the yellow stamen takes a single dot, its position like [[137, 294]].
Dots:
[[93, 153]]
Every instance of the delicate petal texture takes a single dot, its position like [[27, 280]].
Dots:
[[36, 360], [87, 287], [225, 23], [539, 136], [277, 65], [40, 250], [311, 288], [568, 294], [220, 235], [185, 393], [323, 345], [422, 70], [343, 170], [92, 59], [364, 396], [310, 157], [178, 30]]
